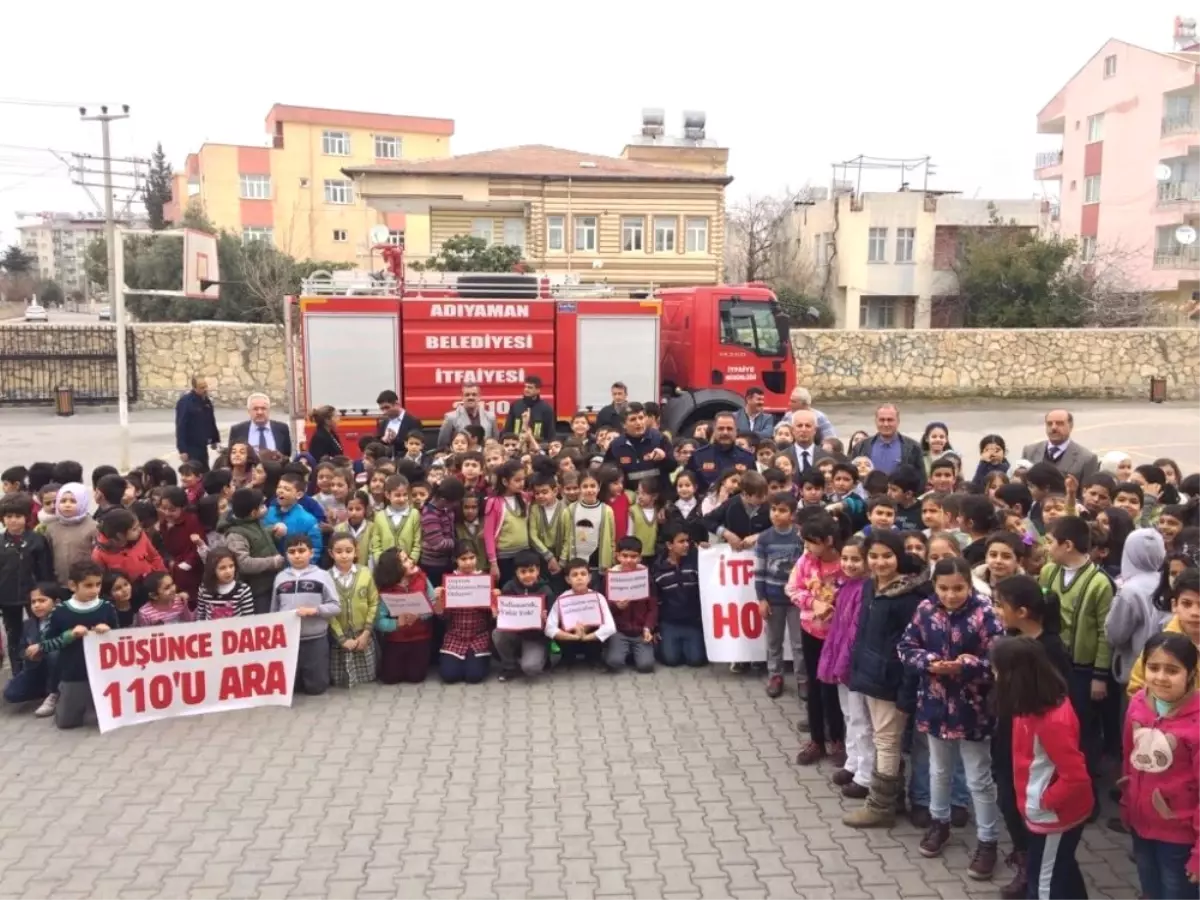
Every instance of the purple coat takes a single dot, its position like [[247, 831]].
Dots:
[[834, 665]]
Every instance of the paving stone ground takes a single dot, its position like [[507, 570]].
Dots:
[[677, 784]]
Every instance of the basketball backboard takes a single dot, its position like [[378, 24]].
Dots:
[[200, 264]]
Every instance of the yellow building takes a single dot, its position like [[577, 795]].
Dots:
[[655, 214], [294, 193]]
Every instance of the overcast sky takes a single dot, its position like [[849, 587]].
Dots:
[[789, 87]]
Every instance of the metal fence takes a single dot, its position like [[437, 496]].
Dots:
[[37, 360]]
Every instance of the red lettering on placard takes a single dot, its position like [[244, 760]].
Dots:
[[735, 571], [253, 680], [725, 618], [752, 620], [253, 639]]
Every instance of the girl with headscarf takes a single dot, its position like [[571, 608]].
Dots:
[[1117, 463], [72, 534], [1133, 618]]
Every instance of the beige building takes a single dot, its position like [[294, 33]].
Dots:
[[656, 214], [884, 259], [60, 242]]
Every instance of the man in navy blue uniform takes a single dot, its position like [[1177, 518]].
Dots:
[[723, 453], [641, 452]]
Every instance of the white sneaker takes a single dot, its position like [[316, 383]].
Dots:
[[47, 707]]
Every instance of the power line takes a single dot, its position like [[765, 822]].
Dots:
[[52, 104]]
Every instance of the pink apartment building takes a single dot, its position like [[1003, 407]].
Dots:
[[1129, 165]]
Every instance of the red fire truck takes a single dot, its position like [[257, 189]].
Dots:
[[694, 349]]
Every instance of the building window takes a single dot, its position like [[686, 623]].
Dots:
[[481, 228], [554, 232], [387, 147], [877, 245], [633, 233], [1095, 125], [335, 143], [905, 238], [664, 234], [339, 235], [1087, 249], [396, 238], [251, 234], [585, 233], [877, 312], [1110, 66], [696, 235], [338, 191], [514, 233], [255, 187], [1091, 189]]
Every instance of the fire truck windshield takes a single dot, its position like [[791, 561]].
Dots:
[[752, 326]]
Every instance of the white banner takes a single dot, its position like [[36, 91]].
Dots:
[[145, 674], [733, 626]]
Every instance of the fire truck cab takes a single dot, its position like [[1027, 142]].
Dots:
[[693, 349]]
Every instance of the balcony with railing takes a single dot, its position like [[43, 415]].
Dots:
[[1177, 256], [1178, 191], [1046, 162], [1181, 122]]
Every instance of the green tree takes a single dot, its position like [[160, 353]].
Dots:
[[1012, 277], [157, 193], [464, 253], [50, 293], [16, 261]]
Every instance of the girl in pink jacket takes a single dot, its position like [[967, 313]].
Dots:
[[811, 587], [1160, 800]]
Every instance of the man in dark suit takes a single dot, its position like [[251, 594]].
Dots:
[[395, 422], [805, 452], [261, 432], [196, 424], [1058, 449]]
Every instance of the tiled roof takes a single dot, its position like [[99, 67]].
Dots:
[[539, 161]]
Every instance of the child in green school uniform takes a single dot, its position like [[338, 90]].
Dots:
[[548, 524], [591, 529], [397, 524], [645, 511], [361, 526]]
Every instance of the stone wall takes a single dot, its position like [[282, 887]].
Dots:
[[235, 359], [1018, 363]]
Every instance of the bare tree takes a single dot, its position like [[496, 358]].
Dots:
[[1109, 295], [761, 242], [16, 287]]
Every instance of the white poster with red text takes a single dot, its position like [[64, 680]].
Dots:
[[733, 625], [144, 674]]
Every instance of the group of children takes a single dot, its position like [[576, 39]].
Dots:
[[986, 629]]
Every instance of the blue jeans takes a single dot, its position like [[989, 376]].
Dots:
[[35, 680], [918, 784], [471, 670], [976, 758], [1162, 870], [682, 644]]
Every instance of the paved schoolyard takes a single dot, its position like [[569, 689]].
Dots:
[[1143, 429], [676, 784]]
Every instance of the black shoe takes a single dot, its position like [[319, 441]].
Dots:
[[959, 816]]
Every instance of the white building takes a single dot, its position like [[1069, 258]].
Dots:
[[884, 259]]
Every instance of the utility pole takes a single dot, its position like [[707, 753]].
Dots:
[[116, 290]]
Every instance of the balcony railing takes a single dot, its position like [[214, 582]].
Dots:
[[1175, 191], [1180, 123], [1048, 158], [1177, 257]]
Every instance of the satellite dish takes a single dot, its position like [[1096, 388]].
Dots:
[[1186, 235], [1162, 172], [379, 234]]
